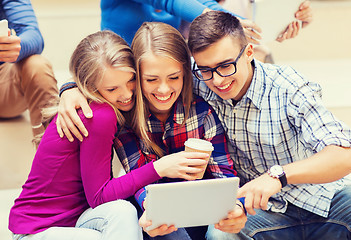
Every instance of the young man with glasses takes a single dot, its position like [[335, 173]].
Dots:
[[288, 149]]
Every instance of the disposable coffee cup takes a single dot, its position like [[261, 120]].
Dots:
[[199, 145]]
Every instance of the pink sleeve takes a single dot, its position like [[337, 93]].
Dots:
[[95, 159]]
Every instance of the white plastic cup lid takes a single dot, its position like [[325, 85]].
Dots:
[[200, 144]]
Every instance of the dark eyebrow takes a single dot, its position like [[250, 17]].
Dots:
[[220, 63]]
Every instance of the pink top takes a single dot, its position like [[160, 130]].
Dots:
[[67, 178]]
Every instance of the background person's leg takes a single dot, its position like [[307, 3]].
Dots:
[[39, 88], [12, 102]]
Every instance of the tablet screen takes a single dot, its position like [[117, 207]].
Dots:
[[190, 203]]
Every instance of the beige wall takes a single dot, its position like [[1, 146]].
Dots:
[[63, 24]]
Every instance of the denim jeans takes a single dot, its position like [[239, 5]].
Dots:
[[296, 223], [192, 233], [112, 220]]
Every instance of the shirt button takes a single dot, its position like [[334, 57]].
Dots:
[[234, 111]]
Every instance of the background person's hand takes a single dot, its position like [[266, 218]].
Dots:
[[252, 31], [159, 231], [68, 122], [258, 191], [291, 31], [304, 13], [10, 47], [180, 165]]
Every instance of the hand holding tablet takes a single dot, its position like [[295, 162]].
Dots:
[[191, 203]]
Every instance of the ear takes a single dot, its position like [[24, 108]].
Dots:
[[249, 52]]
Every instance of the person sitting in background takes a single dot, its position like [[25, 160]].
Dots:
[[26, 78], [124, 17]]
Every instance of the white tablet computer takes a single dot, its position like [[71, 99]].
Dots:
[[273, 16], [190, 203]]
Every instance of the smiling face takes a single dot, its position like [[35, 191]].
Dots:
[[118, 87], [162, 83], [226, 50]]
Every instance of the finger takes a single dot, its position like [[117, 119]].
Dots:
[[65, 129], [290, 30], [296, 29], [195, 155], [305, 13], [257, 200], [231, 225], [264, 203], [76, 124], [252, 37], [305, 4], [192, 170], [88, 113], [8, 59], [195, 162], [72, 129], [231, 229], [189, 177], [169, 230], [161, 230], [67, 133], [282, 37], [250, 25], [58, 126], [144, 223], [238, 212], [249, 203]]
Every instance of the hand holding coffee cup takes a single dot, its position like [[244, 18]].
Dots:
[[199, 145]]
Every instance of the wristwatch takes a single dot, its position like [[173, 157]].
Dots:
[[277, 171]]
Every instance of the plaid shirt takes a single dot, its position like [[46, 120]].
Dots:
[[202, 122], [281, 119]]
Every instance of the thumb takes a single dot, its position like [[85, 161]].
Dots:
[[238, 211], [241, 192]]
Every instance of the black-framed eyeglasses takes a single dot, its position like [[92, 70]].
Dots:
[[223, 70]]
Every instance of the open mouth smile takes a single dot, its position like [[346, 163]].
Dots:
[[128, 101], [163, 98]]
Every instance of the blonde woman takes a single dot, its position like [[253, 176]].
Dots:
[[170, 113], [70, 193]]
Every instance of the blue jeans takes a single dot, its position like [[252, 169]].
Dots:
[[112, 220], [296, 223], [191, 233]]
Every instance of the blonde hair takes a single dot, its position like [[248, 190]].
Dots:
[[92, 56], [160, 39]]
